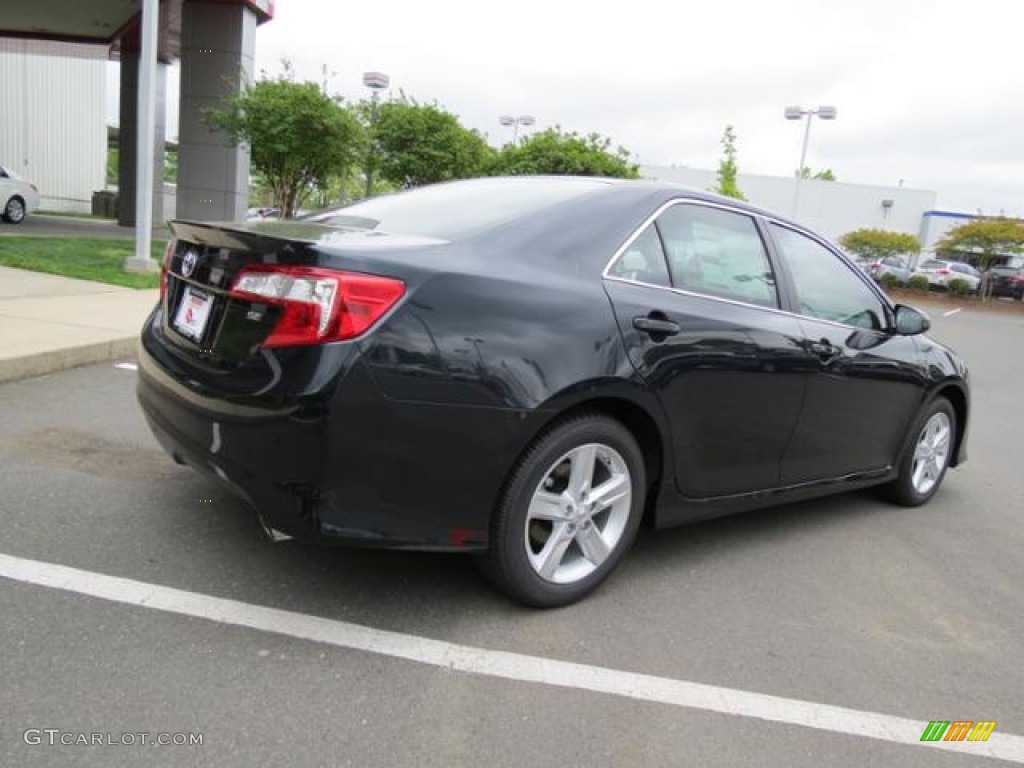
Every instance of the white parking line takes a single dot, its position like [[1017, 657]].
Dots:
[[502, 664], [127, 366], [951, 312]]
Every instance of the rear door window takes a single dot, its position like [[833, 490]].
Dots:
[[717, 252], [643, 260]]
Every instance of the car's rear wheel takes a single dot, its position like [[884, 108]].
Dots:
[[14, 211], [569, 512], [924, 466]]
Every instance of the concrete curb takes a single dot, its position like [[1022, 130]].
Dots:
[[69, 357]]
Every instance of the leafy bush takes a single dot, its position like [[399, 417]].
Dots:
[[555, 152], [879, 243], [958, 287], [918, 283], [889, 281]]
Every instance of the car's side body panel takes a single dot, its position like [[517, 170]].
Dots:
[[731, 379]]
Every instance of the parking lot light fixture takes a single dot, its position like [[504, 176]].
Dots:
[[514, 123], [376, 82], [798, 113]]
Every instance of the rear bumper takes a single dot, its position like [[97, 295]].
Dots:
[[349, 466], [232, 449]]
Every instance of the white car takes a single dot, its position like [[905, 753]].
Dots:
[[261, 214], [17, 196], [940, 273]]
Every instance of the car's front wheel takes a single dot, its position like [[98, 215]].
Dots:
[[924, 466], [569, 512], [14, 211]]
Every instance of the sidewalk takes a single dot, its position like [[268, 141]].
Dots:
[[49, 323]]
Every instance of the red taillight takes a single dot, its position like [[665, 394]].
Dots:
[[165, 268], [319, 305], [942, 272], [1017, 279]]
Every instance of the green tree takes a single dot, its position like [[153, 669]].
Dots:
[[727, 166], [415, 144], [561, 153], [825, 174], [299, 137], [171, 164], [113, 162], [879, 243], [985, 239]]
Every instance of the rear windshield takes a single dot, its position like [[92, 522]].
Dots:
[[451, 211]]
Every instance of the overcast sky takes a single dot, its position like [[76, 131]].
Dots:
[[930, 92]]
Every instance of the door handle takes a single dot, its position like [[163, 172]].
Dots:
[[656, 326], [825, 351]]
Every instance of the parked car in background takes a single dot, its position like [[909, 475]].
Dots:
[[258, 214], [1007, 281], [890, 265], [532, 367], [941, 272], [862, 262], [18, 197]]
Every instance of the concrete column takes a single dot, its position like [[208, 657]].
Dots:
[[128, 131], [218, 43]]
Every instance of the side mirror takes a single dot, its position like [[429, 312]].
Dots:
[[910, 321]]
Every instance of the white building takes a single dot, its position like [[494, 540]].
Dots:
[[53, 118], [831, 208]]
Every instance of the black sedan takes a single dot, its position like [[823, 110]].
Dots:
[[530, 368], [1007, 281]]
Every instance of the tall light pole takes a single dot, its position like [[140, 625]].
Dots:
[[515, 122], [798, 113], [376, 82]]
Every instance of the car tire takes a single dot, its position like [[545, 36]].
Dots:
[[569, 511], [14, 210], [926, 457]]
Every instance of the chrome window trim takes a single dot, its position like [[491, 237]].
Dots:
[[660, 210], [736, 302], [704, 204]]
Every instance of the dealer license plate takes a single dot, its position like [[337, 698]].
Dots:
[[193, 312]]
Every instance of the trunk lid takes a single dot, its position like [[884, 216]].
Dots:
[[358, 273]]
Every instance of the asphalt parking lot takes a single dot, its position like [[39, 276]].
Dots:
[[44, 225], [847, 602]]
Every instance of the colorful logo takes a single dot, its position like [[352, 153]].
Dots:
[[958, 730]]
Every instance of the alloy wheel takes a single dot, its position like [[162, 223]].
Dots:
[[931, 452], [578, 513]]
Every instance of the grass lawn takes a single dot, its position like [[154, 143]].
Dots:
[[98, 259]]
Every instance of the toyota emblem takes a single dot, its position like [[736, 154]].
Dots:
[[188, 264]]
